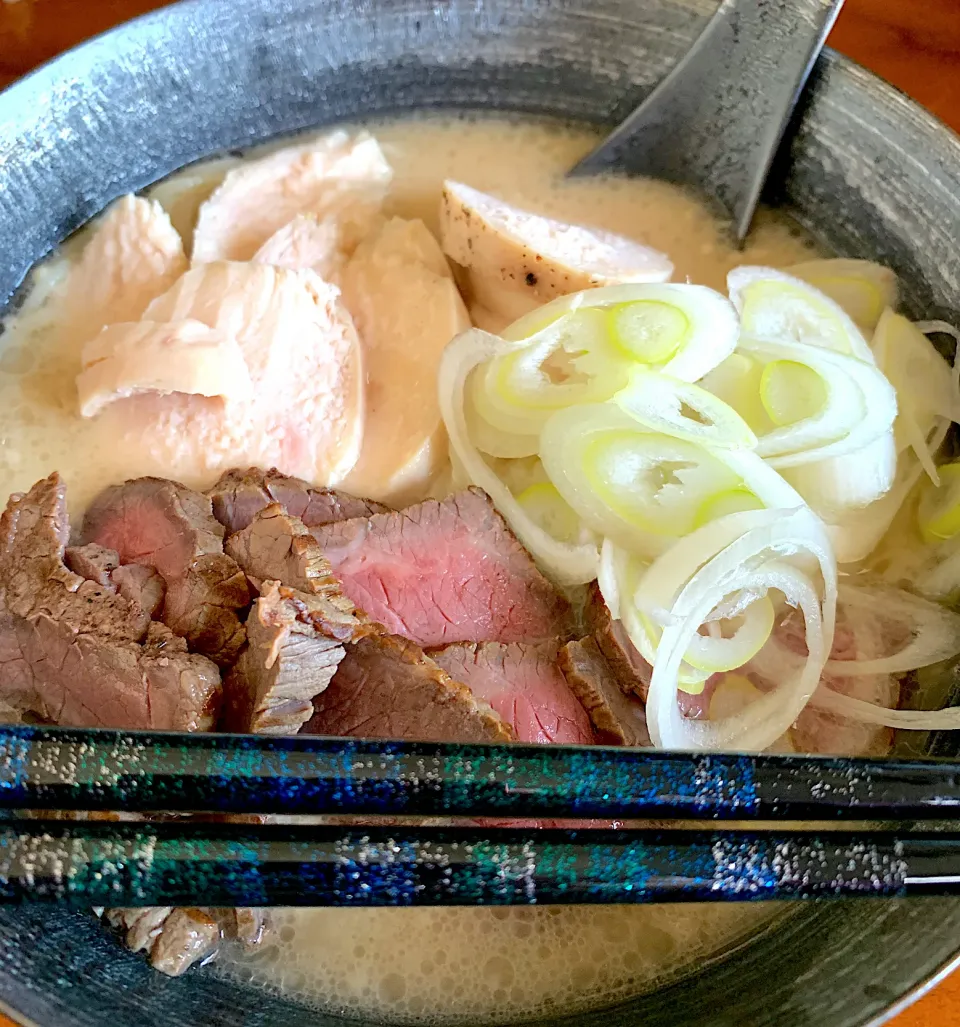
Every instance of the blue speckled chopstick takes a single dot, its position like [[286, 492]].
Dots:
[[138, 864], [46, 768]]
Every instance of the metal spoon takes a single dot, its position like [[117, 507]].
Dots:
[[716, 120]]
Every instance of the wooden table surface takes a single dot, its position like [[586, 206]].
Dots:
[[913, 43]]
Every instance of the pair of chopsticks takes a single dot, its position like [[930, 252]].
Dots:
[[189, 862]]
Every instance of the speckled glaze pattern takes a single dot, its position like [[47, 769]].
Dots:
[[865, 171], [52, 768], [97, 863]]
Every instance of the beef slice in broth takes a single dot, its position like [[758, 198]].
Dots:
[[445, 571], [523, 684], [617, 718], [386, 687], [296, 630], [629, 668], [239, 495], [164, 525], [78, 653]]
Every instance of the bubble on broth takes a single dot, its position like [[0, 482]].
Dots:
[[484, 965]]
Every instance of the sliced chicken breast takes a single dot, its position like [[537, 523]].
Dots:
[[406, 307], [305, 411], [182, 195], [133, 256], [339, 175], [308, 241], [511, 261], [146, 356]]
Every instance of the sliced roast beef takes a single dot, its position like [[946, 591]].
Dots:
[[142, 585], [240, 495], [276, 546], [296, 630], [442, 572], [166, 526], [76, 653], [629, 668], [523, 683], [387, 688], [294, 645], [93, 562], [618, 719]]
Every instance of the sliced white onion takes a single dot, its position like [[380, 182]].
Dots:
[[774, 305], [935, 630], [703, 320], [861, 288], [564, 563], [861, 406]]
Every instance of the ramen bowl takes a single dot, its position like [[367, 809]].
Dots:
[[864, 170]]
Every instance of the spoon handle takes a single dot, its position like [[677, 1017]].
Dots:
[[716, 120]]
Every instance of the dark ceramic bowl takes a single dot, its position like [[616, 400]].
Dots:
[[866, 171]]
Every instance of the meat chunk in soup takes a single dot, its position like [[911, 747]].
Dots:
[[442, 572], [338, 175], [405, 305]]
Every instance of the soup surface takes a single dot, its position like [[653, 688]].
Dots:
[[40, 426], [497, 965], [449, 965]]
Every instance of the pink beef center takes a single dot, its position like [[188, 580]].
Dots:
[[451, 594], [140, 534]]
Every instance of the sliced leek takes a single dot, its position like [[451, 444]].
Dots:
[[860, 405], [544, 505], [569, 362], [683, 411], [861, 288], [487, 437], [567, 564], [759, 560], [776, 306], [683, 330], [842, 483], [925, 383], [934, 631], [939, 511], [643, 489], [737, 381], [791, 392], [619, 575]]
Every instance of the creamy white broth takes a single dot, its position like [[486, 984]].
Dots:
[[472, 965], [522, 162]]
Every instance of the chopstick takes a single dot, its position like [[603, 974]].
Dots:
[[51, 768], [125, 864]]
